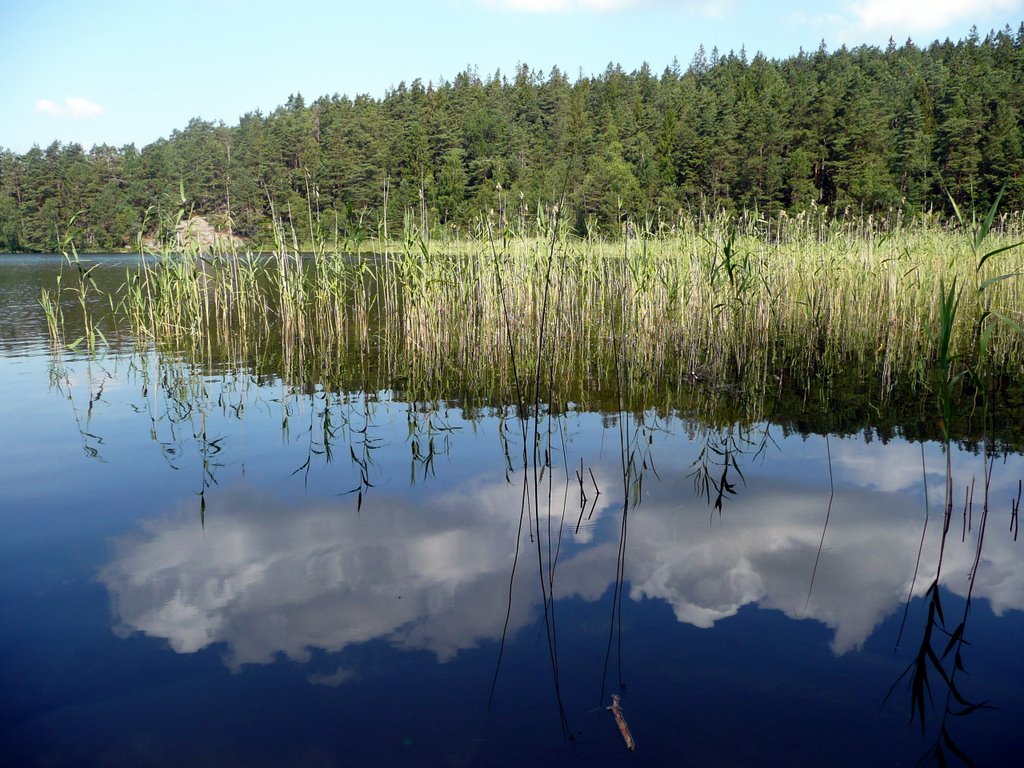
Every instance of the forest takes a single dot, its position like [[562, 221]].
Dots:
[[854, 131]]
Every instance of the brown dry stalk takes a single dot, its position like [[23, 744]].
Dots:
[[620, 721]]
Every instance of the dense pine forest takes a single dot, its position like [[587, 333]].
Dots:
[[856, 131]]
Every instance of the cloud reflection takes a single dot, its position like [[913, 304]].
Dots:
[[762, 550], [267, 578]]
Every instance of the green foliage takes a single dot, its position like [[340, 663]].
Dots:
[[859, 131]]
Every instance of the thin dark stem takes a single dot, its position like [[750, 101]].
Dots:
[[828, 514], [920, 550]]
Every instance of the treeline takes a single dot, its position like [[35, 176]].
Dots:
[[857, 130]]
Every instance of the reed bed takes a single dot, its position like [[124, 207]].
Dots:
[[739, 305]]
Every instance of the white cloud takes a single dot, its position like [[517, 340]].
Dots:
[[47, 107], [765, 549], [73, 106], [264, 583], [434, 574], [703, 7], [880, 19], [80, 107], [897, 468], [339, 677], [923, 15]]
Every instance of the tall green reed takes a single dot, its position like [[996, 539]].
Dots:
[[720, 302], [941, 652]]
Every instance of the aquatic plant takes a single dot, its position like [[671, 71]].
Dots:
[[721, 303], [952, 368]]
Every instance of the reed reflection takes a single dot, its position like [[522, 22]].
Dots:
[[828, 529]]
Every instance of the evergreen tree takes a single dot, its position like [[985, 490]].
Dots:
[[858, 130]]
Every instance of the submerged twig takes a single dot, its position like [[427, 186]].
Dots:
[[620, 721]]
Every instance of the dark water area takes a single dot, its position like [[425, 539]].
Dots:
[[216, 566]]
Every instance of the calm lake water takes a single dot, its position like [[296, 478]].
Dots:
[[223, 568]]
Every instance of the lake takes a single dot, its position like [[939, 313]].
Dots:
[[212, 561]]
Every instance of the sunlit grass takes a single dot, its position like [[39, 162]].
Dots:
[[730, 304]]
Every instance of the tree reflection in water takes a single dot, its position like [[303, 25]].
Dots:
[[598, 528]]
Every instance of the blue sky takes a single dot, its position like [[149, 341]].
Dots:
[[119, 72]]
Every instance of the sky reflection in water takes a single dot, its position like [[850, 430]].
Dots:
[[272, 575], [282, 592]]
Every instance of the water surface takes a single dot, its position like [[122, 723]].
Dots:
[[216, 566]]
